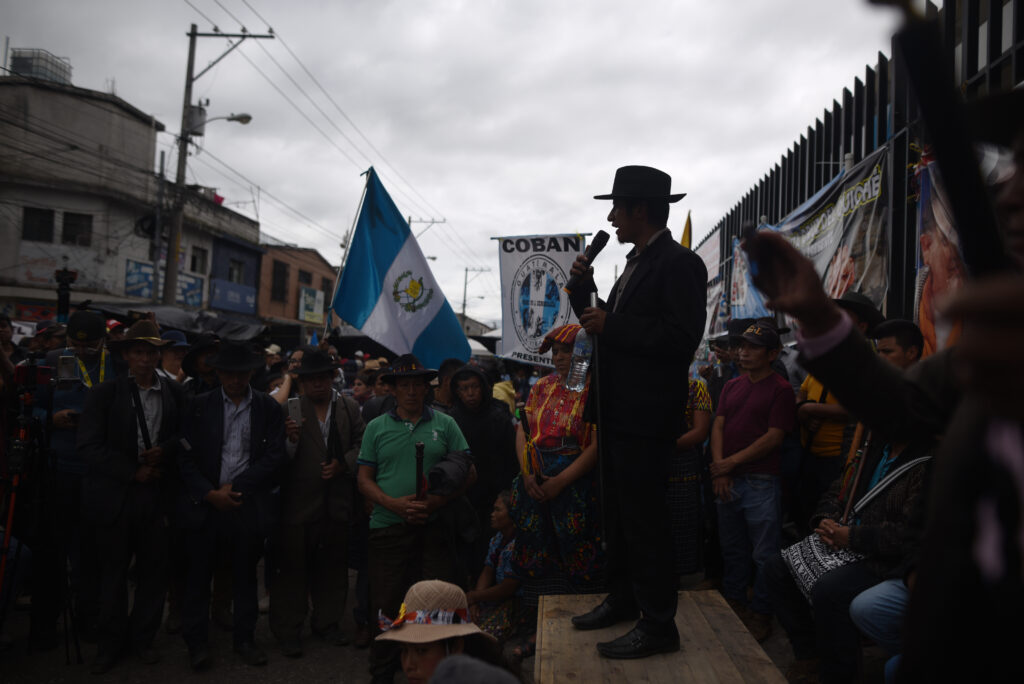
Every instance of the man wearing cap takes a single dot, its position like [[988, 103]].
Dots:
[[172, 355], [755, 412], [311, 544], [407, 541], [66, 539], [653, 319], [235, 450], [50, 335], [115, 330], [129, 436]]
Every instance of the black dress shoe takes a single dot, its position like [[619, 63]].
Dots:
[[605, 615], [199, 657], [639, 644], [251, 654]]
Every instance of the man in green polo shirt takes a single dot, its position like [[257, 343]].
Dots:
[[408, 541]]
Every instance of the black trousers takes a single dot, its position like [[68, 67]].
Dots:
[[139, 530], [640, 560], [400, 556], [233, 533], [311, 567], [821, 629]]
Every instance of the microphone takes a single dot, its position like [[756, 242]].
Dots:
[[593, 249]]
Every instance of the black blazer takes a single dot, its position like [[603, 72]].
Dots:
[[108, 443], [200, 463], [647, 345]]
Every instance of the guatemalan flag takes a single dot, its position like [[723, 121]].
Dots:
[[387, 291]]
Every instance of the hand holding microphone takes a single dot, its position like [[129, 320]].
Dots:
[[581, 267]]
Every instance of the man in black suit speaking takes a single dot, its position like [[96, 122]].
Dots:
[[652, 322]]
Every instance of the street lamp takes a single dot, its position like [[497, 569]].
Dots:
[[192, 116], [174, 239]]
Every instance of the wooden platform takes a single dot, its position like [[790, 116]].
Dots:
[[716, 647]]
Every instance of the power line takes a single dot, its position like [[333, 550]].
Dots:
[[342, 111]]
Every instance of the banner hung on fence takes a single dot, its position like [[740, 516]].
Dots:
[[718, 311], [844, 228], [940, 262], [534, 269], [745, 300]]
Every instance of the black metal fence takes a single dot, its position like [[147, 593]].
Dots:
[[985, 44]]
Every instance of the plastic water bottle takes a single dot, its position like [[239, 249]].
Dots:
[[581, 352]]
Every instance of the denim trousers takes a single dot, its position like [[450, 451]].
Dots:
[[878, 613], [748, 527]]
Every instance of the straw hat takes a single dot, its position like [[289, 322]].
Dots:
[[432, 610]]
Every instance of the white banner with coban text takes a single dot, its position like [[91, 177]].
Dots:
[[534, 269]]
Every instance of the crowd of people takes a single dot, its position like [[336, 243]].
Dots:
[[852, 488]]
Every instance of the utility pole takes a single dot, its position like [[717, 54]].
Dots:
[[465, 283], [154, 245], [174, 239]]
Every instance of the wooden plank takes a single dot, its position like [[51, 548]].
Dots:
[[715, 646], [704, 651], [748, 656]]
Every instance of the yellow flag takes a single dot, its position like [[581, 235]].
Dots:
[[685, 241]]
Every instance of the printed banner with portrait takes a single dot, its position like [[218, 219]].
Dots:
[[843, 229], [534, 269]]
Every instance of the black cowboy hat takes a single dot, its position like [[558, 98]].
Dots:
[[236, 357], [862, 307], [407, 366], [315, 361], [204, 342], [642, 182], [997, 118], [145, 331]]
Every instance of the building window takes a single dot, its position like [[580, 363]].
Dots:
[[37, 225], [77, 229], [305, 277], [236, 271], [199, 259], [328, 287], [279, 282]]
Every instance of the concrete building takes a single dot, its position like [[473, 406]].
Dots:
[[78, 188], [295, 291]]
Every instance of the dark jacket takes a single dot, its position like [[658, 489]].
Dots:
[[108, 443], [658, 325], [305, 496], [491, 436], [200, 464], [891, 524], [960, 626]]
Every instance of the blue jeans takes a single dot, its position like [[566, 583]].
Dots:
[[878, 613], [748, 527]]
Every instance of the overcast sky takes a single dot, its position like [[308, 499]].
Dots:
[[504, 118]]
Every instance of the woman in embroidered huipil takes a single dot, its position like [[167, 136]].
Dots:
[[554, 498]]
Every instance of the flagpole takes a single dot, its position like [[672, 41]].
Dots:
[[348, 248]]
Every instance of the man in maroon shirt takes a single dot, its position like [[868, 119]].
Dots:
[[755, 411]]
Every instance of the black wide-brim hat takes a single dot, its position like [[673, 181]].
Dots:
[[863, 307], [407, 366], [144, 331], [236, 357], [642, 182], [204, 342], [314, 362], [997, 118]]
